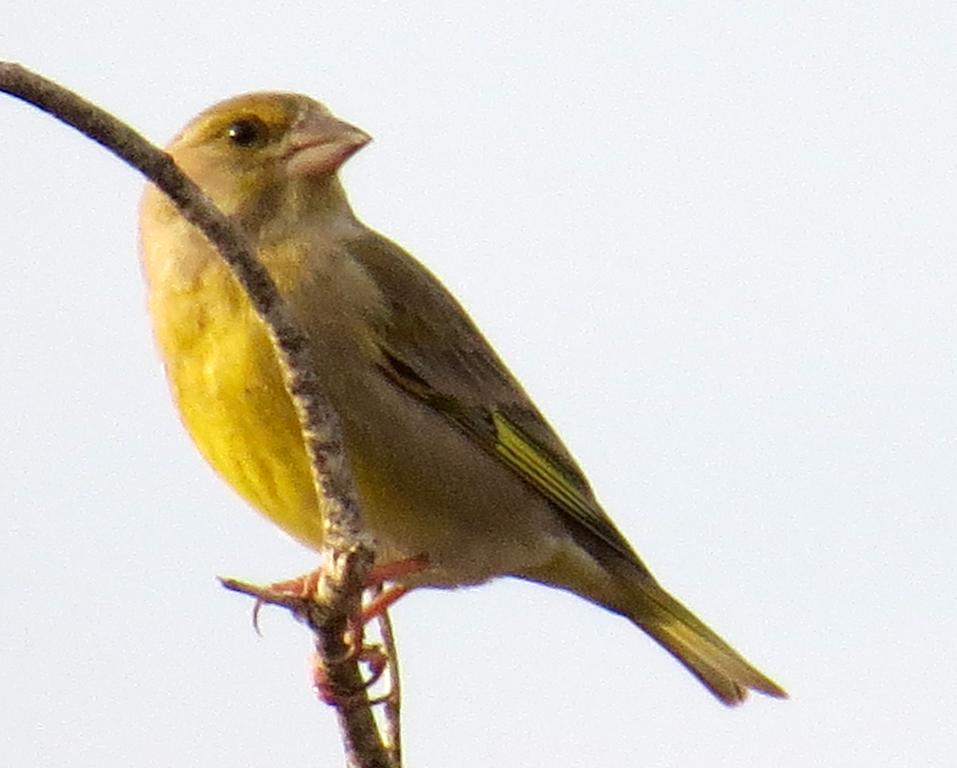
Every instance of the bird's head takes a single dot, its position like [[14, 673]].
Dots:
[[260, 151]]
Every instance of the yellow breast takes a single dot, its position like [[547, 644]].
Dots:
[[232, 400]]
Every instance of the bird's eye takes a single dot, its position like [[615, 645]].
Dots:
[[247, 132]]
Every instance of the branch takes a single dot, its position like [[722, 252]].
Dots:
[[347, 553]]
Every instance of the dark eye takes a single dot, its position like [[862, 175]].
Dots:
[[247, 132]]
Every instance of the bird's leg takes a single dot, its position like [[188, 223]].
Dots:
[[373, 656], [396, 570], [384, 597], [295, 593], [304, 588]]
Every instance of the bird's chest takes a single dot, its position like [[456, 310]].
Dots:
[[230, 393]]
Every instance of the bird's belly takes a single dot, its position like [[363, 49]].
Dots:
[[423, 488], [234, 404]]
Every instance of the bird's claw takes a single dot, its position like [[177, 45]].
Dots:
[[375, 660]]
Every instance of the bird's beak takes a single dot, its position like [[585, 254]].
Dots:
[[320, 143]]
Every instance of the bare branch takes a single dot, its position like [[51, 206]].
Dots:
[[348, 553], [393, 702]]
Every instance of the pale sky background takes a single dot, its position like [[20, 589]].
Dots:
[[717, 246]]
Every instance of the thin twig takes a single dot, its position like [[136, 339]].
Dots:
[[393, 702], [348, 553]]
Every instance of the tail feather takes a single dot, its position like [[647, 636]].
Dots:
[[709, 658], [626, 587]]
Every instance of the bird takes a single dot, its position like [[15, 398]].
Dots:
[[453, 464]]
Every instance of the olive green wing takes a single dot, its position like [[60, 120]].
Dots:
[[431, 350]]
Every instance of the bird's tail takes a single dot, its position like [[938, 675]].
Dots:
[[625, 586], [709, 658]]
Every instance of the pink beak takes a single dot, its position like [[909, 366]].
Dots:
[[320, 143]]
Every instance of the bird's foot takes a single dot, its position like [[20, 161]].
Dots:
[[302, 588], [372, 656]]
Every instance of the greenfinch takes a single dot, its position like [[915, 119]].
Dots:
[[453, 463]]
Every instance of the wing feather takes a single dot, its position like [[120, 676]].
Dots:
[[432, 351]]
